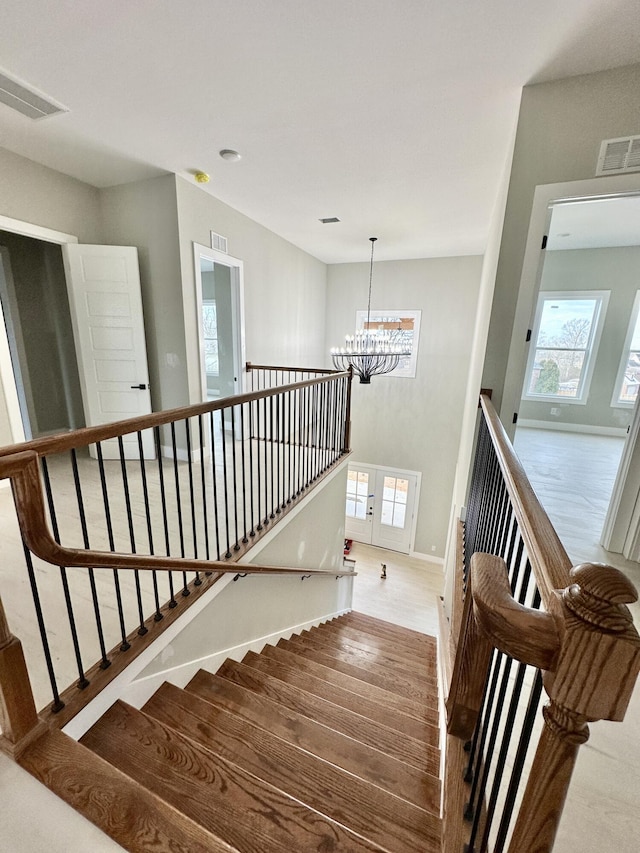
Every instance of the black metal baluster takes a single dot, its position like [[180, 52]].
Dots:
[[274, 497], [203, 484], [266, 465], [194, 529], [480, 735], [176, 477], [105, 662], [58, 704], [253, 476], [165, 521], [225, 481], [214, 473], [145, 493], [243, 462], [82, 678], [278, 463], [518, 764], [290, 489], [142, 630], [125, 645], [234, 463]]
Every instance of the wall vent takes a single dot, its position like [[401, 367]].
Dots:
[[329, 220], [619, 155], [219, 242], [27, 101]]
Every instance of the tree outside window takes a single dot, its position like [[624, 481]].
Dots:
[[566, 333], [628, 379], [210, 333]]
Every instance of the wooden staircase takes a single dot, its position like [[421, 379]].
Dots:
[[326, 742]]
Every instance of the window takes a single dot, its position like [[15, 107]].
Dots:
[[357, 494], [565, 340], [210, 333], [406, 323], [394, 501], [625, 390]]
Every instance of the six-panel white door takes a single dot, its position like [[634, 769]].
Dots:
[[106, 312], [380, 506]]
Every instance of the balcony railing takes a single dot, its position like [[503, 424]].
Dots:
[[131, 521], [542, 649]]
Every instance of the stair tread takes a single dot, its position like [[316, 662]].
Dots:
[[383, 677], [381, 626], [373, 710], [374, 642], [364, 654], [398, 704], [252, 815], [348, 722], [131, 815], [416, 786], [353, 802]]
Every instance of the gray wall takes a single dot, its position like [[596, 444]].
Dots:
[[144, 214], [414, 423], [617, 270], [560, 128], [32, 193], [284, 287]]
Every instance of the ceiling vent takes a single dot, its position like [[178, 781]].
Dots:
[[219, 242], [619, 155], [329, 220], [26, 101]]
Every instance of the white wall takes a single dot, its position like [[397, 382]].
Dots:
[[414, 423], [259, 607]]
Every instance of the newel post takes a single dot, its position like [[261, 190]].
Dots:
[[593, 679], [18, 717]]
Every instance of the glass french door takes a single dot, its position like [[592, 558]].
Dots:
[[380, 506]]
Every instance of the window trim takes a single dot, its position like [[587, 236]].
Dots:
[[616, 402], [591, 350]]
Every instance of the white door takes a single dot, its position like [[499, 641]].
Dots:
[[380, 506], [108, 328]]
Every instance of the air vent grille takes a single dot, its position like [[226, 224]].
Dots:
[[329, 220], [619, 155], [219, 242], [27, 101]]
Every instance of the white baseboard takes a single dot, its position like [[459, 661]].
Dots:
[[565, 427], [140, 690], [428, 558]]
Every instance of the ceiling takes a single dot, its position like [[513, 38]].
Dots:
[[596, 223], [395, 117]]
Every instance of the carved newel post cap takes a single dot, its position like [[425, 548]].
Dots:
[[599, 596]]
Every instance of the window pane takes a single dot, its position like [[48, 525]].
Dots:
[[631, 378], [387, 513], [556, 373], [566, 322]]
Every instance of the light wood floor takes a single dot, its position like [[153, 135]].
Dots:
[[573, 475]]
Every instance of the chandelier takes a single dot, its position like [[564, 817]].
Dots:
[[371, 351]]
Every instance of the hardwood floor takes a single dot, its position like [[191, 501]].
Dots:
[[573, 475]]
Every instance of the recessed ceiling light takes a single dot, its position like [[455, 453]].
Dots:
[[329, 220], [230, 155]]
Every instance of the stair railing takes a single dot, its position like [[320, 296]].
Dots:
[[141, 516], [529, 624]]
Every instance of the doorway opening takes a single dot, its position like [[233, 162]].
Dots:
[[40, 377], [580, 373], [220, 310]]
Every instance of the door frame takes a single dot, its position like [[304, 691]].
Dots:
[[236, 267], [48, 235], [416, 501]]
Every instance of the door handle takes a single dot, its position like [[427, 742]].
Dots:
[[140, 387]]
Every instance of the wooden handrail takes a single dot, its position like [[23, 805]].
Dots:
[[23, 469], [318, 371], [85, 436], [549, 560]]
